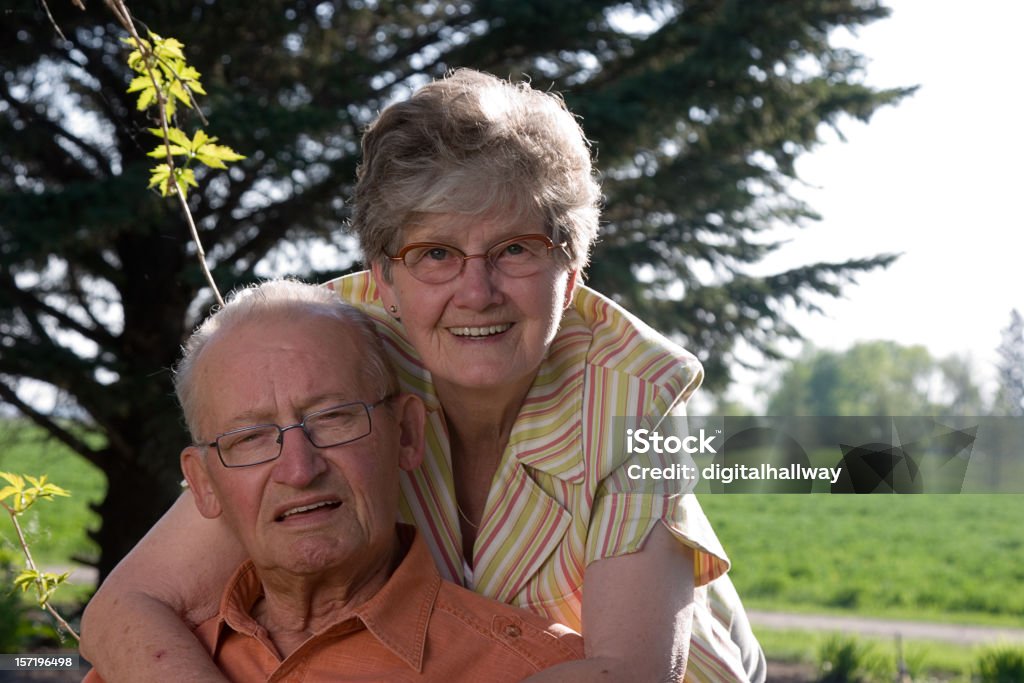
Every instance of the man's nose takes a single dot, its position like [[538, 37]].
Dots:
[[301, 462]]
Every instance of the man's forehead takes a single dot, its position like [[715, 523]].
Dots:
[[309, 346]]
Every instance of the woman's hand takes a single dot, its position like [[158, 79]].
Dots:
[[138, 625], [637, 614]]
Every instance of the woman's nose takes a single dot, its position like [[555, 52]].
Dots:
[[477, 285]]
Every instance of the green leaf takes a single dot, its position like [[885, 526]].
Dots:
[[25, 500], [146, 98], [167, 48], [159, 175], [13, 479], [200, 139], [188, 74], [140, 83], [186, 178], [170, 107], [176, 135], [132, 42], [26, 579], [179, 91], [46, 489], [161, 152], [214, 156], [42, 488]]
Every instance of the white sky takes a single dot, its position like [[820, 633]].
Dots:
[[936, 177]]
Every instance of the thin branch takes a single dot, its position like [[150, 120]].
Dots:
[[29, 303], [53, 22], [40, 585], [124, 17]]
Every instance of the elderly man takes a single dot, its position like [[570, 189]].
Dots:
[[297, 446]]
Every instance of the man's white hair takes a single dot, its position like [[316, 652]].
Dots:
[[290, 299]]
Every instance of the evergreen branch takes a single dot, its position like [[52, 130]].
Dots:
[[37, 306], [44, 122], [77, 293], [58, 131]]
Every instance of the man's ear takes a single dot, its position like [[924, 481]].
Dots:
[[412, 415], [193, 466], [385, 290]]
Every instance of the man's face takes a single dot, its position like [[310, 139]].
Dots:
[[312, 509]]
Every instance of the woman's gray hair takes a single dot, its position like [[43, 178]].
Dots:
[[471, 143], [292, 299]]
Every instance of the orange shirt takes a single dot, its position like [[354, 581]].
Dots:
[[416, 628]]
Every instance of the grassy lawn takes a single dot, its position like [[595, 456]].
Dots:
[[924, 660], [56, 530], [950, 558]]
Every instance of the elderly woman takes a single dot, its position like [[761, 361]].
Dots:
[[476, 207]]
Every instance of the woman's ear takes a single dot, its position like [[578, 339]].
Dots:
[[193, 466], [570, 287], [385, 289]]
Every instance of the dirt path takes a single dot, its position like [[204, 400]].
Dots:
[[912, 630]]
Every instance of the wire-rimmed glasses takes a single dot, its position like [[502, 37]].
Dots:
[[436, 263], [326, 428]]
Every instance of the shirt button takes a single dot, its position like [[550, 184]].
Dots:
[[512, 631]]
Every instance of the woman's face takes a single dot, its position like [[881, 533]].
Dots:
[[482, 329]]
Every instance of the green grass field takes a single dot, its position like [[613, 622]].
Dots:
[[953, 558]]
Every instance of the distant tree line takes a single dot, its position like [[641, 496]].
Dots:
[[886, 378]]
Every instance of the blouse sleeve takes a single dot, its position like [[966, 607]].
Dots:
[[629, 501]]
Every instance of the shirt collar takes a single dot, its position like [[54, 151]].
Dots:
[[398, 615], [547, 435]]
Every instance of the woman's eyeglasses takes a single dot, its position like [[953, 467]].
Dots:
[[435, 263]]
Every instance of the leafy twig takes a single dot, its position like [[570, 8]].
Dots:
[[174, 177], [24, 492], [164, 77]]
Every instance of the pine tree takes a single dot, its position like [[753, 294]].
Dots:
[[1009, 398], [697, 120]]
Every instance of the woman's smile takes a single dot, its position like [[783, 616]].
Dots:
[[480, 331]]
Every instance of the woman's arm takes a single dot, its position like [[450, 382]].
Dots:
[[637, 613], [138, 625]]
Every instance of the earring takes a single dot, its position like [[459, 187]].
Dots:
[[393, 308]]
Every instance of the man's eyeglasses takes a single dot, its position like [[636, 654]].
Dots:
[[327, 428], [435, 263]]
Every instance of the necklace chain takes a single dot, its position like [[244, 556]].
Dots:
[[465, 517]]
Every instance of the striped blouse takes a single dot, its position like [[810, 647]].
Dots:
[[560, 498]]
